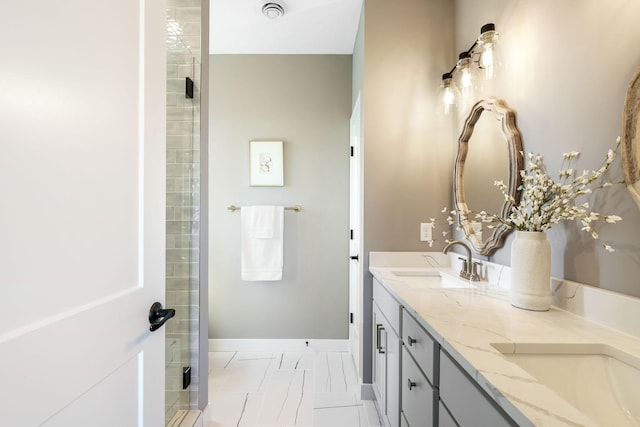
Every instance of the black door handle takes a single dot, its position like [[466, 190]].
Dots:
[[354, 257], [158, 316]]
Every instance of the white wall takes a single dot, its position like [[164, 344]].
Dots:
[[304, 100], [567, 64]]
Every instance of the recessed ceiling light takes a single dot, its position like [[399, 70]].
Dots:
[[272, 10]]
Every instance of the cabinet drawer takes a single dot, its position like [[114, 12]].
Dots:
[[420, 344], [468, 405], [388, 305], [418, 396], [444, 417]]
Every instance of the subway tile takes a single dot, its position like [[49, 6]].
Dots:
[[180, 113], [183, 198], [182, 170], [188, 14], [188, 156], [182, 283], [191, 28], [187, 241], [172, 70], [179, 184], [184, 3], [171, 156], [186, 269], [181, 255], [189, 213], [193, 42], [179, 56], [172, 99], [183, 227], [170, 213], [177, 139], [185, 70]]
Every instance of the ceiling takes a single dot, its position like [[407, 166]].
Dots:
[[307, 27]]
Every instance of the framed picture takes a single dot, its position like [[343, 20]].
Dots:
[[267, 164]]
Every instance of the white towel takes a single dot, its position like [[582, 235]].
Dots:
[[262, 229]]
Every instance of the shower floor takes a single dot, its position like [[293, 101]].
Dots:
[[311, 389]]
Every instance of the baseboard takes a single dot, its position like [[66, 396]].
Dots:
[[366, 392], [297, 345]]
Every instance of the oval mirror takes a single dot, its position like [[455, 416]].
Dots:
[[630, 138], [489, 150]]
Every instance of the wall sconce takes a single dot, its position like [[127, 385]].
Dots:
[[480, 61], [450, 94]]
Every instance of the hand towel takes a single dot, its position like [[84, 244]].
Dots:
[[262, 229]]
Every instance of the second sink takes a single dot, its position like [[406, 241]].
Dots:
[[597, 379]]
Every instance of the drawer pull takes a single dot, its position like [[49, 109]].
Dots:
[[379, 328], [412, 341], [411, 384]]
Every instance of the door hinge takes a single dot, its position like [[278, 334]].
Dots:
[[186, 377], [188, 89], [350, 317]]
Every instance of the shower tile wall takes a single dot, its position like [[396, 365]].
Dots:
[[183, 202]]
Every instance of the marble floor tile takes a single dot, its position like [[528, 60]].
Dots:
[[335, 372], [339, 410], [282, 389], [242, 372]]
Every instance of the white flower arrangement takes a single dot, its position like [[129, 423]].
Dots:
[[545, 202]]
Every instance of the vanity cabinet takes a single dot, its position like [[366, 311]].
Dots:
[[416, 383], [386, 354], [467, 404]]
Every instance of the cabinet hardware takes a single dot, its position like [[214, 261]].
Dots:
[[411, 384], [379, 329], [412, 341]]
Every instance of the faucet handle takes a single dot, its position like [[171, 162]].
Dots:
[[475, 276], [464, 271]]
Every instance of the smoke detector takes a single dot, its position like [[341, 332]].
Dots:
[[272, 10]]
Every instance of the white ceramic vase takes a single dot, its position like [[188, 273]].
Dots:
[[531, 271]]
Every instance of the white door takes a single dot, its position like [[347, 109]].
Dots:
[[355, 238], [82, 125]]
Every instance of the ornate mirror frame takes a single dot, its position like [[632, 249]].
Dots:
[[630, 138], [507, 120]]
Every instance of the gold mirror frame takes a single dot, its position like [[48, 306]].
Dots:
[[630, 138], [507, 119]]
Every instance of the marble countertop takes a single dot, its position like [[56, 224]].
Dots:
[[467, 321]]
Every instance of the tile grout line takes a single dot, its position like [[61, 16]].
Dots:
[[304, 375]]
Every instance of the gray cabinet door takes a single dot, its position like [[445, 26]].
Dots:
[[444, 417], [466, 402], [418, 395], [379, 374]]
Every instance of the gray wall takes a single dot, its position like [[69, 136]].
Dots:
[[408, 154], [567, 65], [304, 100]]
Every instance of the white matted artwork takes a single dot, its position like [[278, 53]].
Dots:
[[267, 164]]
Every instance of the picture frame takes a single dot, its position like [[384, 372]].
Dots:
[[266, 163]]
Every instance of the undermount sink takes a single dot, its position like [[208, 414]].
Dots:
[[430, 279], [599, 380]]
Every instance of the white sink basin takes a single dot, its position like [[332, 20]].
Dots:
[[599, 380], [430, 279]]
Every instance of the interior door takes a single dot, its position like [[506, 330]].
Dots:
[[355, 239], [82, 158]]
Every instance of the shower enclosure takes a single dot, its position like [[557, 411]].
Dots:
[[182, 207]]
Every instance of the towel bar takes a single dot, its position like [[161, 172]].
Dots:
[[296, 208]]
